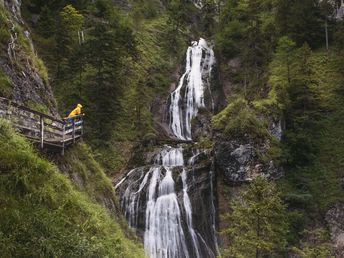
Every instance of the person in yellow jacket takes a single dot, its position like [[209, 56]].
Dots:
[[76, 111]]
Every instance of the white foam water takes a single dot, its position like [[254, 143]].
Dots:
[[188, 97]]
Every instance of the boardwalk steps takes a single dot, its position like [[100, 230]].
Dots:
[[49, 132]]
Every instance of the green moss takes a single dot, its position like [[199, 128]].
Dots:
[[205, 143], [43, 215], [5, 36], [25, 52], [37, 107], [238, 119], [36, 62], [5, 85]]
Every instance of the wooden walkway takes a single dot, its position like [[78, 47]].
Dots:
[[49, 132]]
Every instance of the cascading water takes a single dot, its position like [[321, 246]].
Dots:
[[164, 235], [188, 213], [155, 199], [189, 95]]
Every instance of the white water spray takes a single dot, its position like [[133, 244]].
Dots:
[[189, 95], [168, 225]]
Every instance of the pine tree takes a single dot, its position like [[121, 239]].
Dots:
[[281, 72], [302, 21], [69, 25], [110, 44], [46, 22], [179, 13], [302, 109], [258, 222]]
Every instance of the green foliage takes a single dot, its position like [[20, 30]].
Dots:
[[205, 143], [125, 61], [281, 73], [37, 107], [80, 165], [179, 12], [312, 181], [24, 50], [239, 119], [258, 222], [208, 13], [247, 31], [5, 85], [301, 116], [5, 36], [43, 215], [302, 21], [70, 23], [318, 247]]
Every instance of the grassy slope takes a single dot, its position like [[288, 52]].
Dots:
[[43, 215], [87, 174]]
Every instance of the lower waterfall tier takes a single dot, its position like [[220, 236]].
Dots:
[[171, 204]]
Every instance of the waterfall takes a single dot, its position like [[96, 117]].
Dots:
[[155, 198], [188, 97], [188, 211], [164, 236]]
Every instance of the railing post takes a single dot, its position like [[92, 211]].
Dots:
[[41, 130], [63, 138], [82, 126], [73, 130]]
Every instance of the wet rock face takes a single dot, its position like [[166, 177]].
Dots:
[[238, 161], [28, 86], [17, 64], [194, 183], [335, 221], [14, 7], [201, 125]]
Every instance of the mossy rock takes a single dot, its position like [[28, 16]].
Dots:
[[5, 85]]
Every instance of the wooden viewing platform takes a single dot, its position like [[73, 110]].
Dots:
[[49, 132]]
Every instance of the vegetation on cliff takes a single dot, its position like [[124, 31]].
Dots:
[[258, 223], [283, 70]]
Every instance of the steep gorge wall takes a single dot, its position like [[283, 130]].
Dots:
[[25, 71]]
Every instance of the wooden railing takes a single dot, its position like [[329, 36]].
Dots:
[[47, 131]]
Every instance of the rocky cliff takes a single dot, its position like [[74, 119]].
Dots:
[[19, 64]]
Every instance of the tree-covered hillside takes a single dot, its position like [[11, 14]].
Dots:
[[275, 56]]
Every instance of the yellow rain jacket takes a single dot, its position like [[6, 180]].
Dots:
[[76, 111]]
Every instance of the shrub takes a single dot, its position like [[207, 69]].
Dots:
[[238, 119]]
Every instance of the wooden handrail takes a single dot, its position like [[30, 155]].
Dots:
[[15, 104], [53, 132]]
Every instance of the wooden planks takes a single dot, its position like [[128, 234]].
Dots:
[[41, 128]]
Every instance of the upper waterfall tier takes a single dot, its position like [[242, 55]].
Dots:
[[188, 97]]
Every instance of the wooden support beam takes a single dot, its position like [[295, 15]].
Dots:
[[63, 140], [41, 131], [42, 128], [73, 130]]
